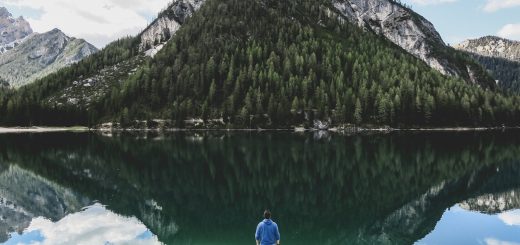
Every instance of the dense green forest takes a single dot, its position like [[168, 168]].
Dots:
[[27, 105], [266, 63], [505, 71]]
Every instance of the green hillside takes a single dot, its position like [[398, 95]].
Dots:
[[266, 63], [507, 72]]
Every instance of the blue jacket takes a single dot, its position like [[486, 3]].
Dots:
[[267, 232]]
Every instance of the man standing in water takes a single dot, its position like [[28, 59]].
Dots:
[[267, 231]]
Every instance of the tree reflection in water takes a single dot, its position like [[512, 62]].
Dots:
[[210, 188]]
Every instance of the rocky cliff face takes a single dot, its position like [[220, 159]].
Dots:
[[408, 30], [491, 46], [41, 54], [167, 24], [26, 56], [12, 31]]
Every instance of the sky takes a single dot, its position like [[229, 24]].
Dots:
[[102, 21], [458, 20], [97, 21]]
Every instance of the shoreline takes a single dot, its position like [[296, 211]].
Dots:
[[302, 130], [36, 129], [15, 130]]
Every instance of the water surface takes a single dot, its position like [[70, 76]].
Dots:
[[211, 188]]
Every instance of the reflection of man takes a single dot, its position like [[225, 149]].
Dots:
[[267, 231]]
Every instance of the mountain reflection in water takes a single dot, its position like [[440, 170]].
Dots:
[[211, 188]]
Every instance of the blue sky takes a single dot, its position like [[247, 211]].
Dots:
[[102, 21], [457, 20]]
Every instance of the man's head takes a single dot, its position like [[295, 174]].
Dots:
[[267, 214]]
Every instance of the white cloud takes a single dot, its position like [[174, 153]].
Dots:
[[430, 2], [492, 241], [510, 31], [510, 218], [98, 21], [94, 225], [494, 5]]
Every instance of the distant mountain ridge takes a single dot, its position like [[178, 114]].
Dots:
[[26, 56], [12, 30], [492, 46], [500, 56], [91, 89], [413, 33]]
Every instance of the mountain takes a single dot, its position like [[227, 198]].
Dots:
[[167, 24], [390, 19], [86, 91], [501, 57], [41, 54], [506, 72], [263, 63], [27, 56], [414, 34], [12, 31], [492, 46]]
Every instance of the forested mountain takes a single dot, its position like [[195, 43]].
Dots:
[[26, 56], [506, 72], [501, 57], [413, 33], [263, 63]]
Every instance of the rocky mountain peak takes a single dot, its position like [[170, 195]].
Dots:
[[492, 46], [26, 56], [12, 31], [41, 54], [4, 13], [407, 29], [167, 24]]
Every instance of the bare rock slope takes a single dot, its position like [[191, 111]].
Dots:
[[26, 56], [492, 46], [12, 31], [167, 24], [413, 33]]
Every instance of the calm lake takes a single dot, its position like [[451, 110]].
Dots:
[[212, 188]]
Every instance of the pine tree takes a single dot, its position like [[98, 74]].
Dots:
[[358, 113], [295, 105], [212, 92]]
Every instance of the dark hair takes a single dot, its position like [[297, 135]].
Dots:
[[267, 214]]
